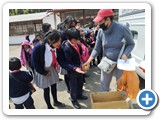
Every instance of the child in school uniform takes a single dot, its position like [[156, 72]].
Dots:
[[72, 53], [45, 66], [19, 91]]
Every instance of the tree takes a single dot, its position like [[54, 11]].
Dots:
[[25, 11]]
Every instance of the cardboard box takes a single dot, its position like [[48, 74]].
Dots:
[[109, 100]]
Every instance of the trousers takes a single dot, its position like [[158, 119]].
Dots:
[[107, 77]]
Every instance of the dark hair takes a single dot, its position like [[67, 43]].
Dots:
[[77, 21], [87, 35], [45, 27], [14, 63], [111, 18], [73, 33], [35, 40], [27, 38], [91, 25], [69, 19], [53, 36], [37, 34]]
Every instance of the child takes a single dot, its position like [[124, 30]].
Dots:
[[37, 39], [25, 55], [19, 91], [27, 38], [45, 65], [69, 22], [72, 55]]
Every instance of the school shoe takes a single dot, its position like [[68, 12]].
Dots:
[[68, 91], [50, 107], [84, 80], [60, 79], [59, 104], [82, 97], [94, 64], [76, 105]]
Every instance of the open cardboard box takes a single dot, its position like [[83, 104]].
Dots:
[[109, 100]]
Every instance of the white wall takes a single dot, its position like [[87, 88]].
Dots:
[[51, 20], [18, 39], [58, 20], [48, 19]]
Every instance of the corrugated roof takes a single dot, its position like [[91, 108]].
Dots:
[[63, 10], [28, 17]]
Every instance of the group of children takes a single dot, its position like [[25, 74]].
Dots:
[[66, 51], [62, 49]]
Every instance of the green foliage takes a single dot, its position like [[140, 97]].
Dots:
[[13, 12]]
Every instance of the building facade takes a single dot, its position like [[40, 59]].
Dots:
[[30, 24], [20, 25], [85, 16]]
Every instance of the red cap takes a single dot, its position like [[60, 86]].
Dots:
[[103, 13]]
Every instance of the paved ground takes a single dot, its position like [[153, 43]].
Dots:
[[92, 85]]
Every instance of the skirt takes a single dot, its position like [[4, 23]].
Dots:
[[46, 81], [62, 71]]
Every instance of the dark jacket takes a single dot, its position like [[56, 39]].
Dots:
[[38, 63], [37, 59], [72, 57], [62, 60], [17, 89]]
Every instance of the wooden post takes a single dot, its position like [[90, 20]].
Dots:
[[55, 21], [60, 16], [83, 16], [35, 27]]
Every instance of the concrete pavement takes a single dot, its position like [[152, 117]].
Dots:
[[92, 85]]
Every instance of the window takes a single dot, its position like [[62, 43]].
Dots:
[[39, 27], [21, 28], [89, 15]]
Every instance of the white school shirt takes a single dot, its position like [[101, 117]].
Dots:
[[48, 55], [20, 100]]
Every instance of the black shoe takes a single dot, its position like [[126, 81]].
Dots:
[[59, 104], [68, 91], [82, 97], [94, 64], [50, 107], [76, 105], [84, 80], [60, 79]]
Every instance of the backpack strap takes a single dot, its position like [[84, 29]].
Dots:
[[18, 80], [80, 49], [66, 44]]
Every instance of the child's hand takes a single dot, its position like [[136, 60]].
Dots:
[[48, 74], [85, 68], [79, 70]]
